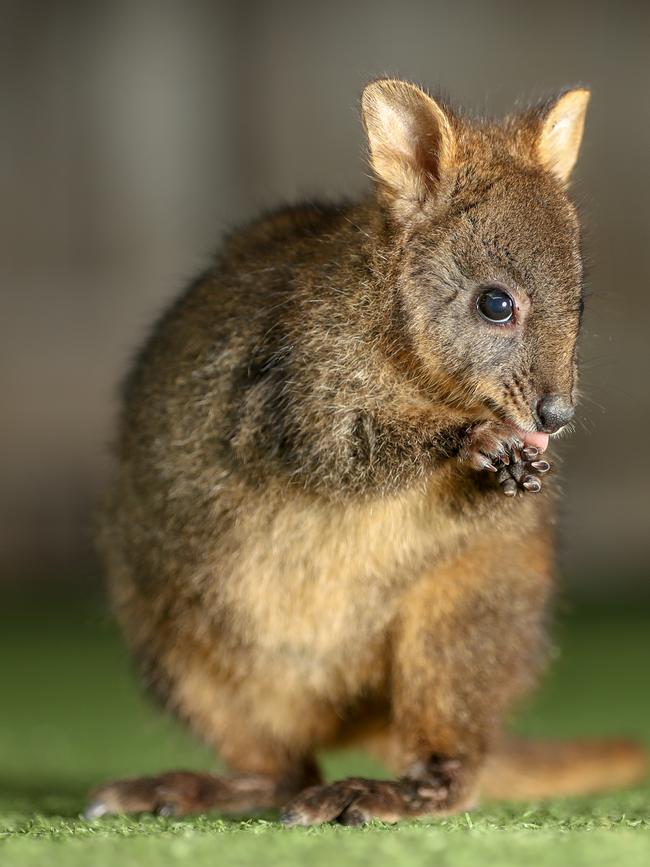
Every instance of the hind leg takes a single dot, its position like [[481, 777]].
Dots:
[[266, 768], [467, 641], [264, 730], [178, 793], [265, 773]]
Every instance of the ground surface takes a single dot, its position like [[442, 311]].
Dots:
[[72, 716]]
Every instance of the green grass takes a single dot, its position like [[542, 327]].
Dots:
[[72, 716]]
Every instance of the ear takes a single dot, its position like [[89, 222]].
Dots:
[[558, 140], [411, 142]]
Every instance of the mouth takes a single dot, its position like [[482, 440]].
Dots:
[[538, 439]]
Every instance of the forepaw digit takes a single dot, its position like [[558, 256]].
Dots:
[[488, 446], [521, 473]]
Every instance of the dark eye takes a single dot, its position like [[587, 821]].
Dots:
[[496, 306]]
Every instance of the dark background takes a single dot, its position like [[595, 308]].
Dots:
[[134, 133]]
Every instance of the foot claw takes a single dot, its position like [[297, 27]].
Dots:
[[509, 487], [541, 466], [95, 810], [532, 484]]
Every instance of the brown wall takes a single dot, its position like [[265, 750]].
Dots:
[[134, 132]]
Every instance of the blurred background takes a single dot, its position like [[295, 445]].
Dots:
[[135, 132]]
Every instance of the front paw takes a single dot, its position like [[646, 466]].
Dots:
[[521, 474], [489, 445], [499, 448]]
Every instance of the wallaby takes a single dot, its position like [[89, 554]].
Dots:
[[327, 523]]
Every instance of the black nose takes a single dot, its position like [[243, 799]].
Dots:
[[554, 411]]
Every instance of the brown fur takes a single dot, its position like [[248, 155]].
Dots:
[[299, 550]]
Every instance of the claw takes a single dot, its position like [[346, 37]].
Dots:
[[532, 484], [95, 810], [487, 464], [530, 452], [541, 466], [509, 487]]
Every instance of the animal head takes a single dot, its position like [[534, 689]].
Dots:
[[486, 252]]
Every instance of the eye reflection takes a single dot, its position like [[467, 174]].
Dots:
[[496, 306]]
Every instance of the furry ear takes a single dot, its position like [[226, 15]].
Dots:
[[411, 142], [559, 136]]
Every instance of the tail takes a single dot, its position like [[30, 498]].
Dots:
[[524, 770]]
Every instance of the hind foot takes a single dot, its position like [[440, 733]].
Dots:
[[438, 790], [179, 793]]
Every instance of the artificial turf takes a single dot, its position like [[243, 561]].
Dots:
[[72, 716]]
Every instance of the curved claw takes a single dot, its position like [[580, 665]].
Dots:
[[95, 810], [541, 466], [509, 487], [532, 484]]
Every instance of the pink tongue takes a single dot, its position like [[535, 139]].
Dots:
[[539, 440]]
